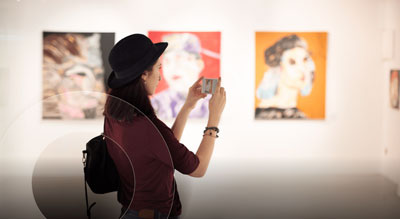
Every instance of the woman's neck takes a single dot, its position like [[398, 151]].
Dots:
[[286, 96]]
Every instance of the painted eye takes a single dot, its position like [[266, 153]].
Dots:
[[305, 59], [292, 61]]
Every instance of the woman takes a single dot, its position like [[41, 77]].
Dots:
[[153, 149]]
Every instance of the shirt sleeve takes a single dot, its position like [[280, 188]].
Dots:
[[184, 160]]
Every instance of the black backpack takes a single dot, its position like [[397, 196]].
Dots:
[[99, 169]]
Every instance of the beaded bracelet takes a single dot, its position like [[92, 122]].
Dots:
[[216, 136], [212, 128]]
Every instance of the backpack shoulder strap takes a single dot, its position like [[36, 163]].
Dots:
[[84, 152]]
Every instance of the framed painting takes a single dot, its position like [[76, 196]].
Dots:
[[394, 88], [189, 56], [290, 75], [75, 68]]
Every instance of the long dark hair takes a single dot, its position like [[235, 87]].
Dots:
[[129, 101]]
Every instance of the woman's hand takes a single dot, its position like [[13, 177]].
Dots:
[[216, 105], [194, 94]]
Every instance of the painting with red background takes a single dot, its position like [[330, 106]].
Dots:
[[210, 53]]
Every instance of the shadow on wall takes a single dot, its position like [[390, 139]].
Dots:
[[58, 182]]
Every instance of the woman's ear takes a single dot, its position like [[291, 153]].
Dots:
[[145, 75]]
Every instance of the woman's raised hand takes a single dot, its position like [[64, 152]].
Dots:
[[216, 105], [194, 94]]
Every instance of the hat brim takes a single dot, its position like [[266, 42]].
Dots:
[[114, 82]]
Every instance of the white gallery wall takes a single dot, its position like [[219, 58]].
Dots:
[[358, 126], [391, 117], [352, 129]]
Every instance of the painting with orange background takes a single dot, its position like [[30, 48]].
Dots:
[[394, 88], [290, 75]]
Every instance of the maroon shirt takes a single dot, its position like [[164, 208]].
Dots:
[[154, 152]]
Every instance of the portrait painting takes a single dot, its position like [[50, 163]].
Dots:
[[4, 81], [394, 89], [75, 69], [189, 56], [290, 75]]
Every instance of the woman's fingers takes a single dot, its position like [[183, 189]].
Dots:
[[218, 87], [219, 83], [198, 81], [198, 92], [196, 86]]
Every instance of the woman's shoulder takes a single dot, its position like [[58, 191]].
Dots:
[[132, 122], [157, 122]]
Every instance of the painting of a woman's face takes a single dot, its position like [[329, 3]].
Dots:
[[290, 74], [297, 68], [180, 69], [394, 89]]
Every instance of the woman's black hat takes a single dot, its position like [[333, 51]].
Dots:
[[130, 57]]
